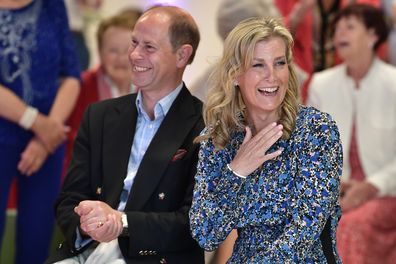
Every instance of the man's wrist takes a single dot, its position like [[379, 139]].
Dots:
[[124, 221]]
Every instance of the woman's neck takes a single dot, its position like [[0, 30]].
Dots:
[[260, 121], [359, 67]]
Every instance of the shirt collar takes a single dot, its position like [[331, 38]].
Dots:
[[162, 107]]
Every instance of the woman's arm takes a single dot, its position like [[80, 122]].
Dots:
[[215, 207], [65, 99], [11, 106]]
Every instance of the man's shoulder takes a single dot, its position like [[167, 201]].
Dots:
[[114, 102]]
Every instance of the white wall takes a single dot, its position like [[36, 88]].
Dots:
[[204, 13]]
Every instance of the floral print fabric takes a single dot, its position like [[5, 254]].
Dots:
[[281, 208]]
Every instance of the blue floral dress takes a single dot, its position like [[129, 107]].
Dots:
[[281, 209]]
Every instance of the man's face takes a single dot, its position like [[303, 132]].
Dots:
[[151, 54]]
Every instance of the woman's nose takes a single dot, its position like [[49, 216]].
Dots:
[[270, 75]]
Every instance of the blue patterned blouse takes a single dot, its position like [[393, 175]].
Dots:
[[36, 51], [281, 208]]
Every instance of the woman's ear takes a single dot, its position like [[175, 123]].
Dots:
[[373, 38], [183, 55]]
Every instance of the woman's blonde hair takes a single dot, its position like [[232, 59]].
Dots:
[[225, 111]]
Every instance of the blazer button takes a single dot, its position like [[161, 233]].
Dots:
[[161, 196], [163, 261], [60, 246]]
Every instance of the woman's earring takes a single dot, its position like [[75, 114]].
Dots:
[[236, 84]]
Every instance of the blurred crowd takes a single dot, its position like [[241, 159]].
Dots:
[[344, 53]]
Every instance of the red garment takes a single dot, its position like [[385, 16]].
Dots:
[[88, 94], [367, 234], [302, 49], [357, 172]]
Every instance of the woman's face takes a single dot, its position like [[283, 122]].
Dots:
[[114, 54], [352, 39], [263, 86]]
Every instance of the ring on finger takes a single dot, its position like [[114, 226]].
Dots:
[[99, 224]]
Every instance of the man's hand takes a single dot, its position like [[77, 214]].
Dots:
[[98, 220]]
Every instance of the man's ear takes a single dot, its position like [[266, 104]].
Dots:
[[183, 55]]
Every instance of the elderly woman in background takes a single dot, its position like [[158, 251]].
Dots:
[[267, 167], [112, 78], [361, 96]]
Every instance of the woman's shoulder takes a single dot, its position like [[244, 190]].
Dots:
[[311, 118], [330, 72], [310, 113], [325, 80], [235, 140]]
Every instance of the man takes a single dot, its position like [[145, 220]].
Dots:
[[129, 187]]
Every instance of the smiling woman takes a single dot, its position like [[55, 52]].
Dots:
[[267, 167]]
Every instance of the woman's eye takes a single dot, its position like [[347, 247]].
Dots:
[[257, 65], [280, 63], [150, 48], [134, 43]]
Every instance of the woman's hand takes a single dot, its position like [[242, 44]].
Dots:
[[33, 157], [50, 132], [357, 193], [253, 151]]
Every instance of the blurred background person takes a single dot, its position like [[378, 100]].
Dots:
[[38, 88], [389, 7], [268, 166], [360, 94], [297, 15], [112, 78], [80, 14]]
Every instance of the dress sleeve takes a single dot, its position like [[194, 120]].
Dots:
[[214, 211], [317, 186]]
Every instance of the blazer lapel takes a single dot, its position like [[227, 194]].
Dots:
[[119, 128], [170, 136]]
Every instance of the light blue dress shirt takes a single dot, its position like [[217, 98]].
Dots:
[[145, 131]]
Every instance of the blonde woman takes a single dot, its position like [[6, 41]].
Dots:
[[267, 167]]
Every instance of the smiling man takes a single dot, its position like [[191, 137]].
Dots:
[[129, 186]]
